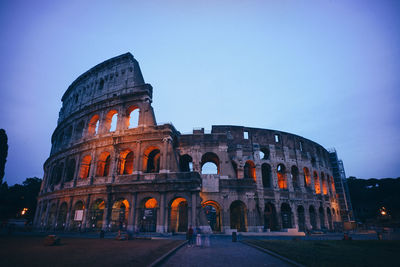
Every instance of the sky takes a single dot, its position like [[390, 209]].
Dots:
[[327, 70]]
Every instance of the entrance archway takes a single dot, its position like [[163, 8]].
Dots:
[[238, 216], [270, 220], [301, 218], [96, 214], [77, 216], [119, 215], [148, 215], [286, 214], [328, 212], [62, 217], [52, 216], [178, 217], [322, 217], [313, 218], [213, 214]]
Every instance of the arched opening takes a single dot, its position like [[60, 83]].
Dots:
[[250, 170], [79, 129], [85, 167], [148, 218], [62, 217], [152, 160], [96, 214], [126, 162], [307, 177], [238, 216], [266, 175], [321, 217], [111, 121], [52, 216], [178, 216], [213, 214], [186, 163], [57, 174], [282, 180], [270, 218], [316, 183], [132, 117], [71, 164], [328, 212], [294, 172], [210, 163], [313, 217], [77, 216], [264, 153], [119, 215], [93, 127], [68, 135], [101, 84], [332, 183], [286, 214], [323, 184], [103, 164], [301, 218]]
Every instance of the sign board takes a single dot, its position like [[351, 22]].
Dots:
[[78, 215]]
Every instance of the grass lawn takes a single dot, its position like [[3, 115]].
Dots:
[[336, 252], [30, 251]]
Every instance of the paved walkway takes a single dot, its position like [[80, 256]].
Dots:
[[223, 252]]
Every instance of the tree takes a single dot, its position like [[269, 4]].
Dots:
[[3, 152]]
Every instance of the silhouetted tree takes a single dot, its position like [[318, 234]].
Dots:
[[3, 152]]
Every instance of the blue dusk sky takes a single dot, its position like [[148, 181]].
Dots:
[[327, 70]]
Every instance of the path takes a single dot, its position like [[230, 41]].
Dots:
[[222, 252]]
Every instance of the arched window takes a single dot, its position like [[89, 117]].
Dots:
[[103, 164], [282, 180], [210, 163], [324, 185], [79, 130], [126, 162], [266, 175], [313, 217], [68, 134], [250, 170], [101, 84], [111, 121], [85, 167], [70, 170], [59, 173], [286, 213], [132, 117], [93, 128], [264, 153], [316, 183], [295, 177], [152, 160], [186, 163], [307, 177]]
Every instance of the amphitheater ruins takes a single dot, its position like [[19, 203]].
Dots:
[[112, 167]]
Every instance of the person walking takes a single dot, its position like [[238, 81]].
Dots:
[[189, 236]]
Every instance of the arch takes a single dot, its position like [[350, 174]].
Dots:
[[186, 163], [132, 119], [119, 215], [307, 177], [329, 215], [85, 167], [97, 214], [79, 129], [286, 214], [313, 217], [316, 183], [178, 215], [70, 171], [51, 220], [93, 127], [68, 134], [270, 218], [324, 185], [103, 164], [151, 160], [264, 153], [294, 172], [301, 218], [250, 170], [213, 214], [125, 162], [111, 119], [62, 216], [321, 217], [281, 173], [148, 215], [238, 216], [212, 168], [77, 215], [266, 175]]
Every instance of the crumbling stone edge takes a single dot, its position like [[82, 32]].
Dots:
[[161, 259], [273, 254]]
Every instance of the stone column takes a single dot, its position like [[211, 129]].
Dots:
[[56, 215], [131, 218], [107, 212], [77, 169], [161, 224], [138, 157], [192, 220], [86, 221], [69, 214], [164, 156]]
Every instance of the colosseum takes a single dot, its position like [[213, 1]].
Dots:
[[112, 167]]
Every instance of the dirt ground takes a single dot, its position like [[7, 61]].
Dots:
[[31, 251]]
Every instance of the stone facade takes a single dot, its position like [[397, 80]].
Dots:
[[112, 167]]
